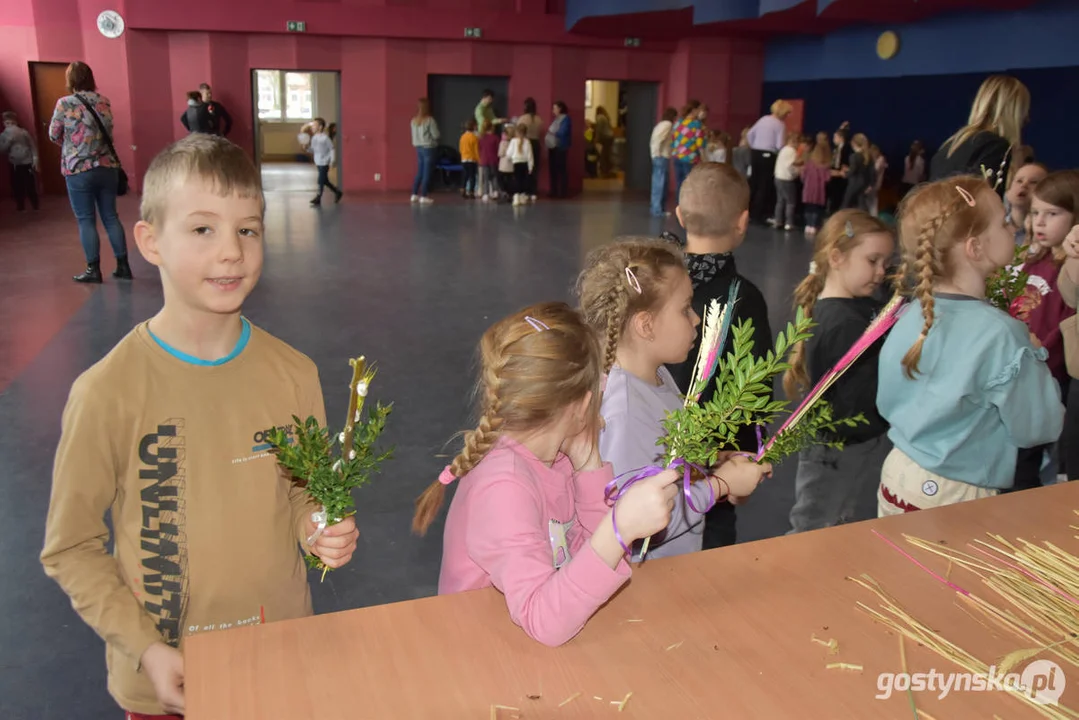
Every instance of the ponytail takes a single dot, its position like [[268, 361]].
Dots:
[[796, 380]]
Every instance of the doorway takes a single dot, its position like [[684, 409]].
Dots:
[[285, 102], [619, 120], [48, 83]]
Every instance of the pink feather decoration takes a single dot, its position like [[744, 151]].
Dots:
[[880, 325]]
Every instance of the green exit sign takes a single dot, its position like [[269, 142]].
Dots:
[[633, 42], [296, 26], [473, 32]]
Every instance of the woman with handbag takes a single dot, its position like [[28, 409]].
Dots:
[[82, 126]]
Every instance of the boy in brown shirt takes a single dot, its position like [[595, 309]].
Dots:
[[168, 433]]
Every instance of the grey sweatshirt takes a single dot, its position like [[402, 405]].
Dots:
[[633, 411], [425, 133]]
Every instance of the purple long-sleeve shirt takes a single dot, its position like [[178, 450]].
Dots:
[[633, 413], [769, 133]]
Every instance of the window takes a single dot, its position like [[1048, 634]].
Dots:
[[285, 96]]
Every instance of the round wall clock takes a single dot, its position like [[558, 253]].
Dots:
[[110, 24], [887, 45]]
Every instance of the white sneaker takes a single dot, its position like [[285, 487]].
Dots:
[[486, 198], [788, 227], [532, 199], [516, 199], [426, 201], [415, 198]]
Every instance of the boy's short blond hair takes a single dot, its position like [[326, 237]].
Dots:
[[210, 158], [712, 198]]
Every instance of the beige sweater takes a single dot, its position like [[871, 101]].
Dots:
[[207, 531]]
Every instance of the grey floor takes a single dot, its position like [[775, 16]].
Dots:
[[411, 287]]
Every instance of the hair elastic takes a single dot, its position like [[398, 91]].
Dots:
[[631, 278], [537, 325], [446, 476], [849, 229], [966, 195]]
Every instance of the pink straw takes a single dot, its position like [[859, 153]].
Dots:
[[1030, 575], [910, 557]]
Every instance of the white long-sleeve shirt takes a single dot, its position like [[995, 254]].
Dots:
[[785, 169], [660, 144], [520, 150], [323, 150]]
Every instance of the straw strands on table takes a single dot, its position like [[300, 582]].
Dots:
[[1034, 590]]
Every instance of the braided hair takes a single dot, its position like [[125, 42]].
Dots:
[[620, 280], [534, 364]]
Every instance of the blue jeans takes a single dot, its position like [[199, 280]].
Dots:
[[90, 189], [661, 170], [425, 158], [681, 170]]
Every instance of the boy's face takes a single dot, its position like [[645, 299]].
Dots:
[[1026, 178], [209, 248]]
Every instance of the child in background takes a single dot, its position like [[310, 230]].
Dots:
[[786, 173], [324, 154], [1052, 214], [718, 144], [638, 297], [470, 158], [505, 162], [859, 175], [849, 264], [22, 153], [529, 516], [170, 462], [880, 166], [520, 151], [1018, 198], [913, 168], [742, 156], [713, 207], [816, 173], [960, 383], [488, 163]]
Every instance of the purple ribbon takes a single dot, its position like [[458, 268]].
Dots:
[[612, 492]]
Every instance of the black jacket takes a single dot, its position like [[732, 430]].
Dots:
[[197, 119], [840, 322], [712, 276], [219, 117], [985, 149]]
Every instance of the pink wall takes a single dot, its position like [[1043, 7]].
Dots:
[[384, 50]]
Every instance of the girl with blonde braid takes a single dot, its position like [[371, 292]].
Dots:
[[962, 384], [839, 486], [530, 516], [638, 297]]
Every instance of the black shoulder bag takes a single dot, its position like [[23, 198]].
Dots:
[[121, 185]]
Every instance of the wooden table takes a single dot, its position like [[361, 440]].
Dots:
[[720, 634]]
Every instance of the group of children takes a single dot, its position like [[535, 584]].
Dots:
[[496, 169], [572, 400]]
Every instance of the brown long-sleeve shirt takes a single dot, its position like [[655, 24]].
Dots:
[[206, 527]]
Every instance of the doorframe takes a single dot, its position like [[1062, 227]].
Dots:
[[256, 123]]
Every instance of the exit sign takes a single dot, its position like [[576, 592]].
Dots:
[[473, 32], [296, 26], [633, 42]]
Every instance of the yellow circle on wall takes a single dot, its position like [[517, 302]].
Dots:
[[887, 45]]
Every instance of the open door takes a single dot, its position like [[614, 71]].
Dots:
[[48, 83]]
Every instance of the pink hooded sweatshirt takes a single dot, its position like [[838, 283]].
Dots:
[[523, 527]]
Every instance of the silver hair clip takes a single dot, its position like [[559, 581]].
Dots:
[[812, 267], [849, 229], [966, 195], [634, 283], [537, 325]]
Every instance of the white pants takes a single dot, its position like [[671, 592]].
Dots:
[[905, 486]]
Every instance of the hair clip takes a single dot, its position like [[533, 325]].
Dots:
[[966, 195], [537, 325], [813, 267], [634, 283], [849, 229]]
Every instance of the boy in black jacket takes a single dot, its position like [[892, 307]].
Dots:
[[713, 207]]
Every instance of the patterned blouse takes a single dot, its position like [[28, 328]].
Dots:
[[83, 146], [687, 138]]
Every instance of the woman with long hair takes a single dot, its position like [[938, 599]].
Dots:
[[1000, 110], [605, 140], [425, 140], [534, 123], [82, 126]]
